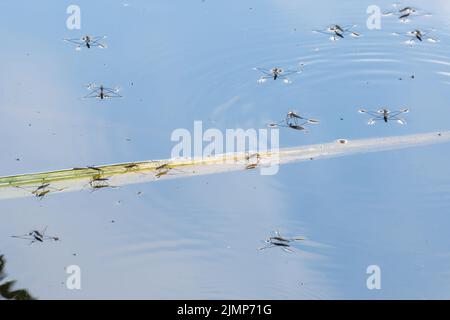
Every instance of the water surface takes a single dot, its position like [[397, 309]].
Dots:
[[180, 61]]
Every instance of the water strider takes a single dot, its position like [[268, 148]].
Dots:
[[417, 35], [37, 236], [87, 42], [41, 191], [337, 32], [404, 13], [98, 182], [101, 92], [294, 121], [252, 161], [278, 241], [277, 73], [385, 115]]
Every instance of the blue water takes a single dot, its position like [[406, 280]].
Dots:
[[180, 61]]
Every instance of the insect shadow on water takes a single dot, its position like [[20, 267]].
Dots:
[[35, 236], [294, 121], [278, 241], [404, 13], [417, 35], [87, 42], [101, 92], [385, 115], [337, 32], [276, 73]]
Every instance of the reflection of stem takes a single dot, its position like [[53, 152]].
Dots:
[[6, 289], [75, 179]]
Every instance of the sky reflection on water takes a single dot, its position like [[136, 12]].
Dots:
[[180, 61]]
